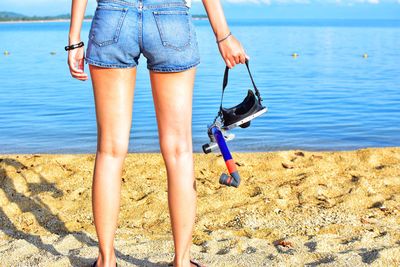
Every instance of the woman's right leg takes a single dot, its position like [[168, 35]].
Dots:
[[113, 92]]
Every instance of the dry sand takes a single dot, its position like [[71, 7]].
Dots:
[[292, 208]]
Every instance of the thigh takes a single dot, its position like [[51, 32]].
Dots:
[[113, 90], [172, 95]]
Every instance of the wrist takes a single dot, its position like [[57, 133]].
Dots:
[[222, 34], [221, 30], [223, 38], [73, 40], [74, 46]]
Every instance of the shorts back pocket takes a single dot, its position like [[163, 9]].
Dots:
[[174, 28], [106, 24]]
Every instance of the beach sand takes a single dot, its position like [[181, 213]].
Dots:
[[292, 208]]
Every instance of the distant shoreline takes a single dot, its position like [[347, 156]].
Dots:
[[65, 20], [195, 17], [44, 20]]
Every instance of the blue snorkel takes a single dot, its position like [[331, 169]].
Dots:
[[217, 137]]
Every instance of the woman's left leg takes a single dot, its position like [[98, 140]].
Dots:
[[172, 96]]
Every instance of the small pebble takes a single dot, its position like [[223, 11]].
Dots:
[[250, 250], [316, 157], [286, 166], [277, 210], [383, 208], [285, 244]]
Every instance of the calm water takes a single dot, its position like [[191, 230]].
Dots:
[[329, 98]]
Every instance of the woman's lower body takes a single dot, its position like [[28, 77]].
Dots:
[[163, 31]]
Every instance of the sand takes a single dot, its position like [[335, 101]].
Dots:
[[292, 208]]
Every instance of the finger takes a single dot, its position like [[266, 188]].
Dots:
[[242, 58], [228, 63], [78, 74], [80, 77], [72, 65], [233, 61], [75, 69], [237, 59], [81, 64]]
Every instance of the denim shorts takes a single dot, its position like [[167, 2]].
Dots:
[[162, 30]]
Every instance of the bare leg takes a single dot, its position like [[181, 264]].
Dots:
[[172, 95], [113, 92]]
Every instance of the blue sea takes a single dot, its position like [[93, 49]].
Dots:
[[330, 97]]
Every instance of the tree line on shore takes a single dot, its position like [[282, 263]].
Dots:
[[12, 16]]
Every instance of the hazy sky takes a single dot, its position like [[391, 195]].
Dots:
[[383, 9]]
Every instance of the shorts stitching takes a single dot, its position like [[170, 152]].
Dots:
[[173, 69], [164, 5], [100, 64], [113, 8], [117, 2], [173, 4]]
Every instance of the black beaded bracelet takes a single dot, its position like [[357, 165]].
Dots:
[[229, 34], [73, 46]]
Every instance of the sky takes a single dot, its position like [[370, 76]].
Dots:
[[272, 9]]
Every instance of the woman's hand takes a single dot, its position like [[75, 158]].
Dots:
[[76, 63], [232, 51]]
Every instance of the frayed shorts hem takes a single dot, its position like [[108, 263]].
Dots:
[[173, 69], [104, 65]]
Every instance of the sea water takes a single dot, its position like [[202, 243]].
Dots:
[[341, 91]]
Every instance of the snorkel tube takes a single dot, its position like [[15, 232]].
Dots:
[[233, 179]]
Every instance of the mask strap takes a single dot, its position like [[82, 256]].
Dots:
[[225, 83]]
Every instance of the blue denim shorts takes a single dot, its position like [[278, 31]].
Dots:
[[162, 30]]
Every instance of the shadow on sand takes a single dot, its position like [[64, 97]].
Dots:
[[46, 219]]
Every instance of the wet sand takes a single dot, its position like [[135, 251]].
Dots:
[[292, 208]]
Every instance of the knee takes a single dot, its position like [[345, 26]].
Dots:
[[113, 148], [172, 148]]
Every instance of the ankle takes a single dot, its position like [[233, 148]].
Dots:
[[182, 262], [102, 263], [106, 259]]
